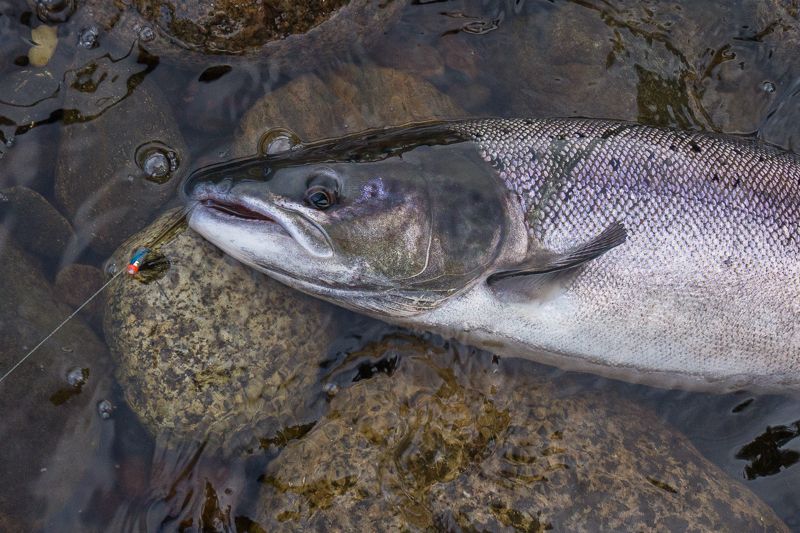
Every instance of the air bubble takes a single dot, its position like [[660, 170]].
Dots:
[[77, 377], [87, 38], [768, 87], [331, 389], [145, 33], [105, 409], [278, 140], [157, 161], [156, 165], [54, 10]]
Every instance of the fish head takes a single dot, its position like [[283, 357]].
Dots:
[[390, 222]]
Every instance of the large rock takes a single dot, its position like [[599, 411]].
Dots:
[[452, 441], [284, 35], [711, 65], [46, 232], [111, 185], [210, 349], [347, 100], [51, 431]]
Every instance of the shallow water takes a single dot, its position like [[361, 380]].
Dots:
[[106, 130]]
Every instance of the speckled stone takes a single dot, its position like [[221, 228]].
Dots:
[[213, 347], [452, 441]]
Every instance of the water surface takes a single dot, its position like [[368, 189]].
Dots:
[[95, 142]]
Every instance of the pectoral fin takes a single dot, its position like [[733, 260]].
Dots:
[[548, 263]]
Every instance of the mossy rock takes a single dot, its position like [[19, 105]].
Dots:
[[208, 349], [451, 440]]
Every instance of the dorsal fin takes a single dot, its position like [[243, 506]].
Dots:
[[547, 262]]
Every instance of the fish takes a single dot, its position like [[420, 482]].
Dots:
[[646, 254]]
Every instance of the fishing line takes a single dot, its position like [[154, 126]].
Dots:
[[133, 268], [75, 312]]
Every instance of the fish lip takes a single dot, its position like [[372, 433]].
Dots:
[[225, 205], [234, 209]]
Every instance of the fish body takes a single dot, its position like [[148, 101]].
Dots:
[[647, 254]]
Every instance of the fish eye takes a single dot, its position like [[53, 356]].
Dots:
[[320, 197]]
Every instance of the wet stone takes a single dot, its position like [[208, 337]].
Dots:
[[49, 424], [42, 229], [445, 442], [348, 100], [75, 283], [286, 34], [211, 349], [118, 190], [231, 26], [666, 63]]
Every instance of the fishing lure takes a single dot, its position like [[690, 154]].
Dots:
[[133, 268], [137, 259]]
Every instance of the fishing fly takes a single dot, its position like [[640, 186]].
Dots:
[[137, 261]]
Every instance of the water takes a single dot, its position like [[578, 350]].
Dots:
[[94, 144]]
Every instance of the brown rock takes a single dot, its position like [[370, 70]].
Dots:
[[349, 100], [287, 35], [451, 441], [212, 349]]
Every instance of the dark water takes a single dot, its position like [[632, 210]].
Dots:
[[96, 141]]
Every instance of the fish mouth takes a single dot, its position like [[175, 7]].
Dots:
[[235, 209]]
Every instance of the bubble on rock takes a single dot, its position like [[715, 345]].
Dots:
[[105, 409], [87, 38], [768, 87], [278, 140], [157, 161], [76, 377], [331, 389], [145, 33], [156, 165], [11, 141], [54, 10]]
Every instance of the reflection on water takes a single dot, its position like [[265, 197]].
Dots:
[[355, 423]]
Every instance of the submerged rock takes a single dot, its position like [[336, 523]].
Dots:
[[286, 34], [207, 348], [348, 100], [697, 65], [407, 433], [452, 441], [111, 185], [26, 212], [50, 431], [76, 283]]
